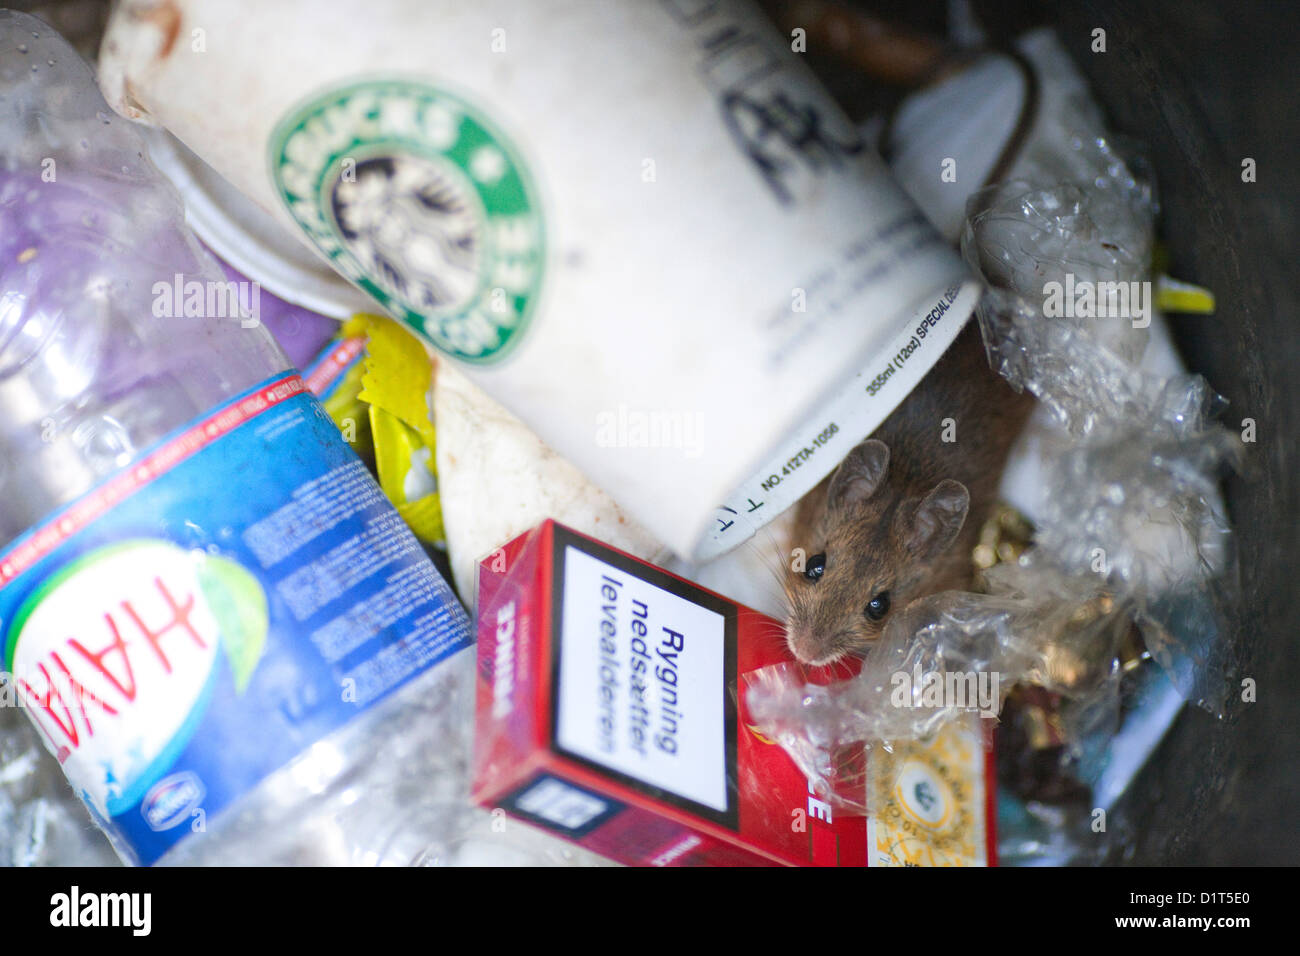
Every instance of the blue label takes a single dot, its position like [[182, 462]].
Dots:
[[202, 617]]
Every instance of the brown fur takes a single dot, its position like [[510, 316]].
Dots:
[[887, 541]]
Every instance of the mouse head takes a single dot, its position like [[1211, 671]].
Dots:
[[874, 551]]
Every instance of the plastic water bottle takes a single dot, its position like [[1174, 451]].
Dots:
[[214, 619]]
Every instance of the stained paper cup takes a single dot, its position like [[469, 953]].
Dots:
[[644, 228]]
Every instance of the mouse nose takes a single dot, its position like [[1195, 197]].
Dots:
[[802, 642]]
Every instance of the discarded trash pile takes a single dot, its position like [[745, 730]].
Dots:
[[489, 580]]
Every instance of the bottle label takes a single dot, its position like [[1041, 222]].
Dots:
[[412, 193], [199, 619]]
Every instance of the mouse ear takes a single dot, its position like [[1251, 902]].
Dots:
[[938, 520], [859, 475]]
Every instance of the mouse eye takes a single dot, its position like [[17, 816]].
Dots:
[[878, 606], [816, 567]]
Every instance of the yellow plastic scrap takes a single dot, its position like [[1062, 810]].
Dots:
[[1173, 295], [395, 385], [405, 466], [398, 372]]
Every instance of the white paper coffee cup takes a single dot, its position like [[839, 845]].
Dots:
[[643, 227]]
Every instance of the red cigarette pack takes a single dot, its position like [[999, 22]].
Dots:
[[610, 711]]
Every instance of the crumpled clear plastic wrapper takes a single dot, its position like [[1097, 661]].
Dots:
[[1021, 237], [946, 656], [1132, 535]]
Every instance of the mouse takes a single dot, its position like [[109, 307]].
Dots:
[[897, 520]]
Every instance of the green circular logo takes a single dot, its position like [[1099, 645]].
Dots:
[[413, 195]]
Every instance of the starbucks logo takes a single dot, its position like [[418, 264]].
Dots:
[[415, 197], [415, 228]]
